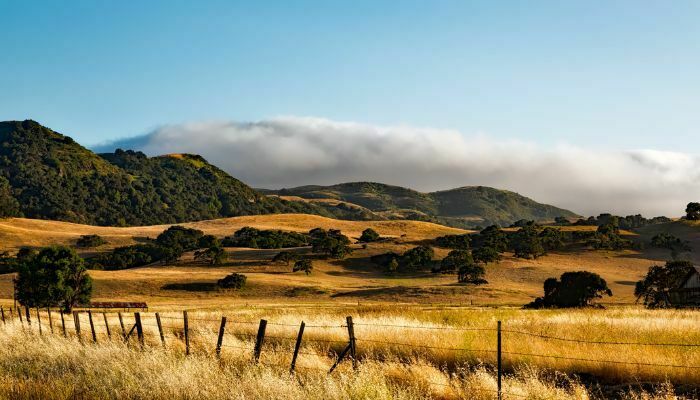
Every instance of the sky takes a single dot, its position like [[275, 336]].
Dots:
[[608, 89]]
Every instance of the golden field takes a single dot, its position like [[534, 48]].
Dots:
[[419, 335]]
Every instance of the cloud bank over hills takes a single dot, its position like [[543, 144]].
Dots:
[[293, 151]]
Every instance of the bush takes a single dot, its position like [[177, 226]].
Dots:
[[89, 241], [369, 235], [573, 289], [54, 277], [692, 212], [266, 239], [233, 281], [303, 265]]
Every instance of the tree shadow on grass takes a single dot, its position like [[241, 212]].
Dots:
[[192, 286]]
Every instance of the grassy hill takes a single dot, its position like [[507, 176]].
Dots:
[[460, 207], [46, 175]]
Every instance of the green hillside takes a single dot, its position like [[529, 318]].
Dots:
[[461, 207], [46, 175]]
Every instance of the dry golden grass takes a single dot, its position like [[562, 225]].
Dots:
[[18, 232], [51, 367]]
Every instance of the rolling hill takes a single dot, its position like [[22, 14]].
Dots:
[[46, 175], [461, 207]]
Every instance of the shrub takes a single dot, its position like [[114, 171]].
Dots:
[[303, 265], [573, 289], [89, 241], [369, 235], [54, 277], [232, 281]]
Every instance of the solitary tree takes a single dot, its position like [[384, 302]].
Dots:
[[54, 277], [653, 289], [303, 265], [369, 235], [214, 255], [692, 212], [573, 289], [471, 273], [285, 257]]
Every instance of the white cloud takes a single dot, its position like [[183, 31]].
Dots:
[[292, 151]]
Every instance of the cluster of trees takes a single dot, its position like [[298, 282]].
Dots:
[[169, 246], [266, 239], [572, 289], [415, 259], [628, 222], [607, 237], [671, 242], [331, 243]]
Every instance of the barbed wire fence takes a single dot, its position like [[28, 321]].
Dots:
[[94, 326]]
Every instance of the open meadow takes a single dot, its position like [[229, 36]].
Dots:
[[417, 335]]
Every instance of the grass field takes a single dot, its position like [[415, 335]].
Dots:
[[418, 363]]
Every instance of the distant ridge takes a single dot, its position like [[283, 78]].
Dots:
[[462, 207], [46, 175]]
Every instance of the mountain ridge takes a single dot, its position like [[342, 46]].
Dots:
[[47, 175]]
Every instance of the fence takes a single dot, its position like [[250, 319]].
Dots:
[[179, 329]]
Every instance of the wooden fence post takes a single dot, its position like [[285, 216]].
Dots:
[[296, 347], [187, 333], [220, 340], [352, 344], [76, 321], [38, 319], [29, 318], [259, 340], [121, 323], [63, 324], [160, 329], [19, 312], [109, 333], [139, 328], [48, 310], [92, 327], [500, 371], [2, 311]]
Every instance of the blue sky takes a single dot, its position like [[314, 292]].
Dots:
[[599, 74]]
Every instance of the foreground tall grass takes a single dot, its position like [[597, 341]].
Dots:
[[53, 367]]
